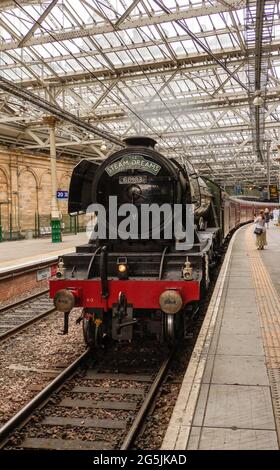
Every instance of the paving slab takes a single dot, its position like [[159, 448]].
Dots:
[[244, 302], [240, 406], [229, 439], [239, 370], [240, 345], [238, 322], [247, 282]]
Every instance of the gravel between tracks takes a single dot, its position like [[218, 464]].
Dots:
[[41, 349], [23, 296]]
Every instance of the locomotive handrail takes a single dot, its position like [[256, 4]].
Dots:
[[161, 262], [91, 262], [103, 272]]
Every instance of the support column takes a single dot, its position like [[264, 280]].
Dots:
[[268, 169], [278, 189], [14, 209], [55, 213]]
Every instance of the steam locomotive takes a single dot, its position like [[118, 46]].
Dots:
[[142, 282]]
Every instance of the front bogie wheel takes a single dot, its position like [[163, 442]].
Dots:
[[170, 327], [92, 331]]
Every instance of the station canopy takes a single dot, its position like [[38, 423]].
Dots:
[[202, 77]]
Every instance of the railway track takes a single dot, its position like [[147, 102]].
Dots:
[[19, 315], [85, 409]]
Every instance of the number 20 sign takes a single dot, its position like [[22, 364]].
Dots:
[[62, 194]]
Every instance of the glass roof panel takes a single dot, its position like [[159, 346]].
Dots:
[[131, 70]]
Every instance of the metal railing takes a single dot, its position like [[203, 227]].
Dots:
[[39, 226]]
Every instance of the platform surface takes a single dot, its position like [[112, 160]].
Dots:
[[230, 394], [21, 252]]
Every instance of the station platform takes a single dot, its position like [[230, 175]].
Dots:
[[22, 253], [230, 395]]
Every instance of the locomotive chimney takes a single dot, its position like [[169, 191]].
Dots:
[[140, 141]]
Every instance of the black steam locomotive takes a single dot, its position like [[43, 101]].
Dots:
[[133, 276]]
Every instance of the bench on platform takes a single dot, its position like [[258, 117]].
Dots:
[[45, 231]]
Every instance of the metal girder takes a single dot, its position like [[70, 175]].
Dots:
[[67, 143], [138, 45], [216, 130], [192, 12], [230, 75], [202, 45], [9, 29], [37, 23], [10, 136], [103, 96], [155, 83], [5, 4], [126, 13], [54, 110], [159, 67], [119, 48], [230, 102], [259, 23]]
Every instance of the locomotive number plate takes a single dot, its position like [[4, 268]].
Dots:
[[132, 179]]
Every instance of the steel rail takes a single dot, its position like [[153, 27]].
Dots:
[[24, 325], [22, 417], [22, 301], [26, 412], [138, 421]]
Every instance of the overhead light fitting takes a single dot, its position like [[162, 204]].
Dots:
[[258, 100], [103, 147]]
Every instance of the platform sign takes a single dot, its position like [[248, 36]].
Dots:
[[43, 274], [273, 192], [62, 194]]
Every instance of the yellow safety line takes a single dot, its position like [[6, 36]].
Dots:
[[268, 303]]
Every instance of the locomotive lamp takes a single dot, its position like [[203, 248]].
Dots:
[[60, 273], [187, 271], [170, 301], [122, 267]]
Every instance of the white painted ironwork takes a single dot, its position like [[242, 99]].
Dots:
[[174, 69]]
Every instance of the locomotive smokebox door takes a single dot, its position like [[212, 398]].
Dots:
[[122, 323]]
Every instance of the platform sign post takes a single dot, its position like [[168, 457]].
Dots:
[[55, 213], [56, 230]]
